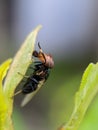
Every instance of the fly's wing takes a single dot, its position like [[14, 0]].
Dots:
[[28, 97]]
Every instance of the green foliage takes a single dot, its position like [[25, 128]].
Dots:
[[83, 97], [20, 64], [87, 91], [4, 124], [90, 122]]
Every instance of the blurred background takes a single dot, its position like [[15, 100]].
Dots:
[[70, 34]]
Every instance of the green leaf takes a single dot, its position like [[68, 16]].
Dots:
[[88, 90], [3, 70], [90, 122], [20, 63], [3, 103]]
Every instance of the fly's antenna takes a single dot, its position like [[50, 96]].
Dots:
[[40, 47], [42, 52]]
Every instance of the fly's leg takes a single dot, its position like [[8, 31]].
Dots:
[[24, 76]]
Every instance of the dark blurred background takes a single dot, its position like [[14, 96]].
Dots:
[[70, 34]]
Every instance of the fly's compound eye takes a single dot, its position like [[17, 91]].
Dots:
[[35, 53]]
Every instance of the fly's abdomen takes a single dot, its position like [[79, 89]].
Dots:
[[30, 86]]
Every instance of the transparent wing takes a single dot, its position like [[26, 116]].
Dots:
[[28, 97]]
